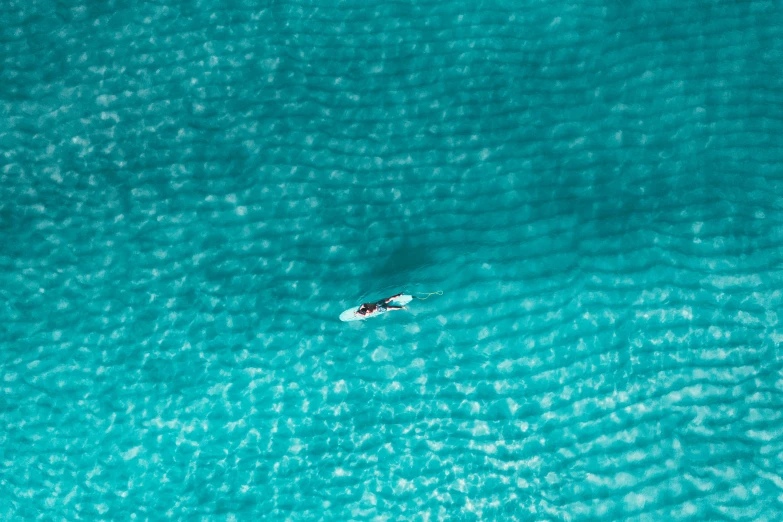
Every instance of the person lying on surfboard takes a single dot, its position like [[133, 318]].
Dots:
[[368, 309]]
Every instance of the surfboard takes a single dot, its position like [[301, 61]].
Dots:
[[351, 315]]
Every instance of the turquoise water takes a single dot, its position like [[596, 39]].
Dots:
[[191, 193]]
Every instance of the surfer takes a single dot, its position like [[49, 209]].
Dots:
[[379, 306]]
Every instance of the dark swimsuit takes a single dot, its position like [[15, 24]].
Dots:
[[380, 306]]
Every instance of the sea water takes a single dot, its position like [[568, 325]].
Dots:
[[192, 192]]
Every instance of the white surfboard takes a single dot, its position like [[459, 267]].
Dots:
[[351, 315]]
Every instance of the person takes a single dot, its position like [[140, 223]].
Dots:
[[379, 306]]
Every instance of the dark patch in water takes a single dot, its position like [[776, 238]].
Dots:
[[399, 269]]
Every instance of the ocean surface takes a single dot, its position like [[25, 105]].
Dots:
[[191, 192]]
